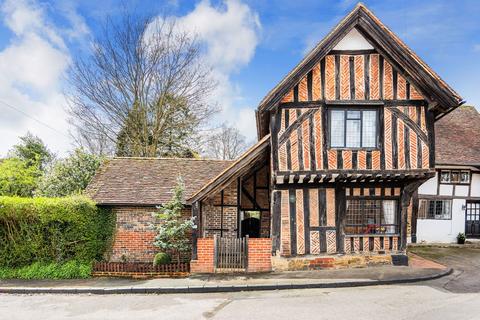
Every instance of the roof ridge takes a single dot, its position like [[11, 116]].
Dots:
[[167, 158]]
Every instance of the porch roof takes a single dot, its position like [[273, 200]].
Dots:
[[249, 159]]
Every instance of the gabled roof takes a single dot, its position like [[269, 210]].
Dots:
[[149, 181], [457, 138], [438, 92], [235, 170]]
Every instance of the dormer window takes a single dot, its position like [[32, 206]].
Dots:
[[353, 128]]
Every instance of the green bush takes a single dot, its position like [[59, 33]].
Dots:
[[161, 258], [69, 270], [52, 230]]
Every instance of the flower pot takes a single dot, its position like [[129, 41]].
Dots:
[[461, 240]]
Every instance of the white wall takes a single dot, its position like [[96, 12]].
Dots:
[[475, 192], [353, 41], [443, 230], [429, 187]]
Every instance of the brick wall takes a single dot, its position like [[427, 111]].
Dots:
[[259, 254], [205, 252], [133, 240], [212, 213]]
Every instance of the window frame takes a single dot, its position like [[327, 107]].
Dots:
[[396, 224], [454, 171], [345, 109], [426, 216]]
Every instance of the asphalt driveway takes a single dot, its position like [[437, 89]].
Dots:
[[465, 262]]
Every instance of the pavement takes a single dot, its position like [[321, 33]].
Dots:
[[420, 269]]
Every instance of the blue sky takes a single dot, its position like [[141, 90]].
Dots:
[[250, 44]]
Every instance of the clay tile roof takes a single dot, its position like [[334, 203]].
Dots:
[[149, 181], [457, 137]]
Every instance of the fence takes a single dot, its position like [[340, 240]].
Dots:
[[231, 254], [121, 269]]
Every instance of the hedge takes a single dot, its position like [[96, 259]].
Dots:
[[52, 230]]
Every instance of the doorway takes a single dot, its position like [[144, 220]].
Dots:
[[472, 219]]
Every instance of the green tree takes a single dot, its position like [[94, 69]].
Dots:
[[18, 177], [70, 175], [173, 231], [32, 150]]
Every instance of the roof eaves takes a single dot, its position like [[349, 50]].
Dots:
[[229, 170], [445, 94]]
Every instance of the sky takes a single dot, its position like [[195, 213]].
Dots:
[[251, 46]]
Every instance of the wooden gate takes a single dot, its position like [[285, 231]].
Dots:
[[231, 254], [472, 219]]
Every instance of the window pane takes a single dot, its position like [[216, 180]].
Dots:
[[455, 176], [465, 177], [369, 129], [438, 210], [355, 115], [389, 215], [368, 216], [337, 129], [445, 176], [353, 133]]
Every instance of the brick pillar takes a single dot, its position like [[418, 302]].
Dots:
[[205, 256], [259, 255]]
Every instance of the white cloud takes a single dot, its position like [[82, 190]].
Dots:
[[476, 48], [230, 34], [32, 66]]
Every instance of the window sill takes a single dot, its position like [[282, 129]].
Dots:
[[353, 149], [366, 235]]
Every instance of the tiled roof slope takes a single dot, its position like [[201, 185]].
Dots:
[[149, 181], [457, 137]]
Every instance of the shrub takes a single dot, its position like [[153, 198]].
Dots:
[[69, 270], [52, 230], [173, 231], [161, 258]]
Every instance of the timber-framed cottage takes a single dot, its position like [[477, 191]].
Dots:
[[344, 140]]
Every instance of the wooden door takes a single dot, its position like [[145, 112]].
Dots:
[[472, 219]]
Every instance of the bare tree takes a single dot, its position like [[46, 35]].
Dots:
[[226, 143], [143, 91]]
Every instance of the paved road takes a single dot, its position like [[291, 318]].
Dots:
[[387, 302], [466, 265], [453, 297]]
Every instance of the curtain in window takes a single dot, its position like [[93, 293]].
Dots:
[[389, 214]]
